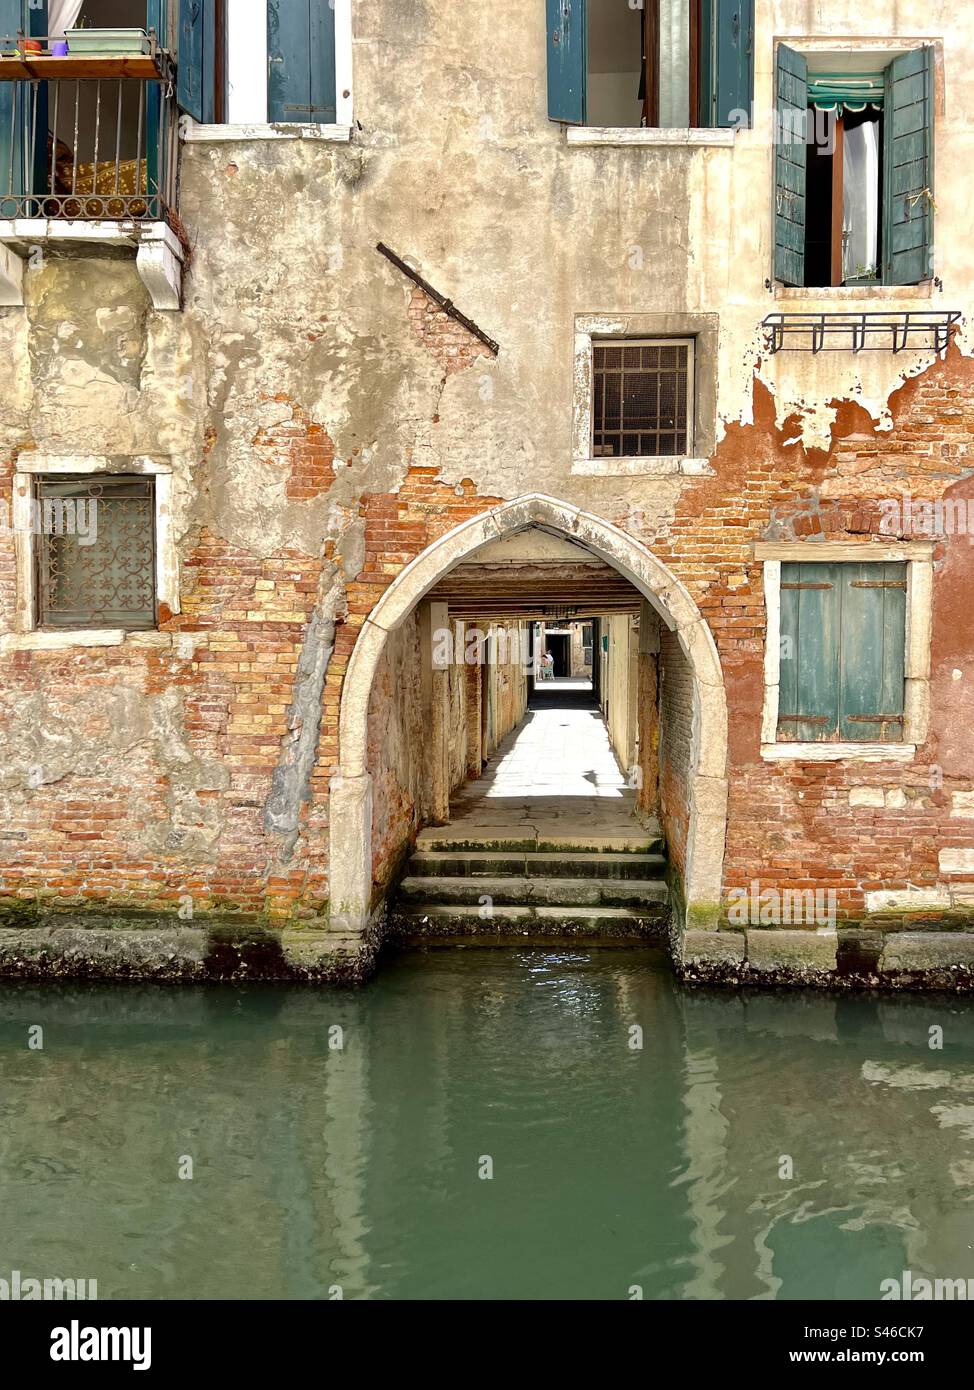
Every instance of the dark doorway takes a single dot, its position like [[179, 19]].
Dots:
[[557, 643]]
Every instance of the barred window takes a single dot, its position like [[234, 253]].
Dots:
[[95, 551], [643, 398]]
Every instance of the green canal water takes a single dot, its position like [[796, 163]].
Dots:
[[759, 1146]]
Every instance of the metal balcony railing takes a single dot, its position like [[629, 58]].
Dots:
[[96, 140]]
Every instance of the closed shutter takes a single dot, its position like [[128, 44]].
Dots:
[[567, 60], [195, 78], [733, 47], [301, 61], [871, 676], [22, 169], [843, 629], [908, 213], [791, 115], [11, 145]]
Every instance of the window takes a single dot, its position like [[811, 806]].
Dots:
[[258, 61], [854, 168], [643, 391], [842, 652], [662, 63], [95, 551]]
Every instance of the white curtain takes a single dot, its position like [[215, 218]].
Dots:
[[61, 15], [860, 201]]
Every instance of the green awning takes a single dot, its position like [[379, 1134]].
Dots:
[[849, 91]]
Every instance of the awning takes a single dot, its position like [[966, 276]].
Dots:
[[847, 91]]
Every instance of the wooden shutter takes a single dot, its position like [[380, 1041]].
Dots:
[[843, 627], [871, 667], [791, 111], [808, 702], [11, 147], [908, 173], [195, 79], [567, 60], [301, 61], [728, 43]]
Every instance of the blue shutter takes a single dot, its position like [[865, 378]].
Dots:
[[301, 61], [908, 174], [791, 116], [732, 64], [567, 60], [196, 73], [808, 693], [11, 149], [843, 627], [872, 669]]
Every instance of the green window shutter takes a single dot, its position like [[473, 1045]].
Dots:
[[11, 147], [731, 65], [196, 72], [567, 60], [873, 607], [301, 62], [843, 633], [908, 173], [791, 113], [808, 696]]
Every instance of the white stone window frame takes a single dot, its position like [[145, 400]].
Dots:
[[247, 83], [27, 636], [591, 328], [918, 556]]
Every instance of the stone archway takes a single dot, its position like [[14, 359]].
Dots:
[[350, 814]]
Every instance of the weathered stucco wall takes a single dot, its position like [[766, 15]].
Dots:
[[323, 426]]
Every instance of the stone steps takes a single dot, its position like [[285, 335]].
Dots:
[[510, 884], [529, 892], [534, 864]]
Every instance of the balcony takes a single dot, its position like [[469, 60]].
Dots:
[[88, 156]]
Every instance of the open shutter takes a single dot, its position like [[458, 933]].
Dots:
[[808, 694], [731, 65], [301, 61], [11, 149], [791, 117], [567, 60], [195, 78], [871, 683], [908, 212]]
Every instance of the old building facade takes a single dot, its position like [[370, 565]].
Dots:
[[337, 326]]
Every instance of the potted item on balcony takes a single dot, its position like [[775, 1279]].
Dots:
[[59, 48], [108, 43]]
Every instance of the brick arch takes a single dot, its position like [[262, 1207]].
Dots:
[[350, 802]]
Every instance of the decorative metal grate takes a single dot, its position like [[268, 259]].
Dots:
[[640, 399], [872, 331], [95, 551], [88, 148]]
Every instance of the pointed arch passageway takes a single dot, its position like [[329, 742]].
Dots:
[[693, 787]]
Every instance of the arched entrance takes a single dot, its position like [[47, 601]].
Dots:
[[350, 815]]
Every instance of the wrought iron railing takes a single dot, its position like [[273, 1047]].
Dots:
[[96, 140]]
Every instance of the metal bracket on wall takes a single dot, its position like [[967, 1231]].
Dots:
[[445, 304], [868, 331]]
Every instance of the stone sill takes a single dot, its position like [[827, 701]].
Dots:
[[193, 133], [661, 467], [838, 752], [88, 637], [854, 294], [641, 135]]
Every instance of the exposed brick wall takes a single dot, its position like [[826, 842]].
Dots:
[[302, 450], [453, 346], [675, 744]]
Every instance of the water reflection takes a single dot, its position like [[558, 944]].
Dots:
[[759, 1146]]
